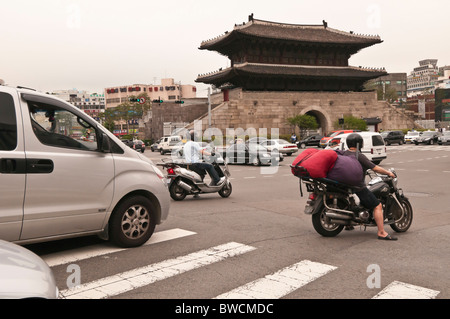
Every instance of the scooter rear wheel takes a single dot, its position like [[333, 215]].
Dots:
[[176, 192]]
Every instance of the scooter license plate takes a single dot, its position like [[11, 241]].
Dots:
[[168, 180]]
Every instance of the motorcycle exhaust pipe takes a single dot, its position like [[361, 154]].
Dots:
[[332, 215], [184, 186]]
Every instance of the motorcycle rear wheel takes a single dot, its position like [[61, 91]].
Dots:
[[403, 224], [324, 226]]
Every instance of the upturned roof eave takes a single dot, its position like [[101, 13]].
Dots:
[[246, 69]]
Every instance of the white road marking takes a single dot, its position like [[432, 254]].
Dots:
[[400, 290], [75, 255], [280, 283], [139, 277]]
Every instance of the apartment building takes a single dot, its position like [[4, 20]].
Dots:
[[168, 90], [90, 103], [423, 78]]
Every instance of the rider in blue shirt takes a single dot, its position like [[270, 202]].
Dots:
[[192, 154]]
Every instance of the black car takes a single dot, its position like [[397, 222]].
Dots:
[[137, 145], [392, 137], [252, 153], [428, 137], [312, 140]]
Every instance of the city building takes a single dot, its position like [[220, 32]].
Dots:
[[443, 81], [442, 100], [392, 82], [168, 90], [423, 78], [423, 106], [90, 103]]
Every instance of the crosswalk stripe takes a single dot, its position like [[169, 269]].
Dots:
[[139, 277], [75, 255], [400, 290], [280, 283]]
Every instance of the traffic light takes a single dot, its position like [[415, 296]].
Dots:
[[157, 101], [179, 102]]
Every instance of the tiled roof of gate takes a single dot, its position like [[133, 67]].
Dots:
[[292, 32], [300, 71]]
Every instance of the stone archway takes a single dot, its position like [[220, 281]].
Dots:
[[323, 119]]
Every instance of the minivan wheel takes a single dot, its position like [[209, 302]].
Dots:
[[132, 222]]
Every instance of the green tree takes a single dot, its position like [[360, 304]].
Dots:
[[389, 93], [304, 123], [127, 111], [351, 123]]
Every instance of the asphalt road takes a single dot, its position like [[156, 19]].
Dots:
[[270, 249]]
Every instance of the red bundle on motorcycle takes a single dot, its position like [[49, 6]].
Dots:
[[317, 163], [347, 170]]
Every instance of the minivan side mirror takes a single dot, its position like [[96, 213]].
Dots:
[[104, 144]]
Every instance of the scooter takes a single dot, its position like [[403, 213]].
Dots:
[[184, 179]]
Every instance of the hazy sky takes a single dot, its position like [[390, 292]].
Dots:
[[89, 45]]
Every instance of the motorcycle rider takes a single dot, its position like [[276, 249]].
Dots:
[[192, 154], [367, 198]]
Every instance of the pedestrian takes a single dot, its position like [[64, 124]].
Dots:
[[293, 138]]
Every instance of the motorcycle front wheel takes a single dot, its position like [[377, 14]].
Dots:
[[177, 192], [402, 225], [226, 190], [324, 226]]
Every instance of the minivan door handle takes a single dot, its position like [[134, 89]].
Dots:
[[39, 166], [12, 166]]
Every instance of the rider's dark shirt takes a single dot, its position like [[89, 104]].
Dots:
[[365, 163]]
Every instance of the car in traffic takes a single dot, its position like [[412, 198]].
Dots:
[[393, 137], [411, 136], [59, 184], [169, 143], [155, 146], [444, 138], [373, 145], [311, 140], [427, 137], [24, 275], [137, 145], [280, 145], [324, 140], [250, 153]]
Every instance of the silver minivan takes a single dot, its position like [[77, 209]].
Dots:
[[62, 174]]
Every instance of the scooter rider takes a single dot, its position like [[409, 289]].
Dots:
[[192, 154], [367, 198]]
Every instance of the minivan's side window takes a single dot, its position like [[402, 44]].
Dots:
[[8, 124], [55, 126]]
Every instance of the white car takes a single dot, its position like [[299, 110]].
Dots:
[[411, 136], [280, 145], [374, 148], [444, 138], [24, 275]]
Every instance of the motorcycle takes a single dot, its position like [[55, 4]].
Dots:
[[334, 205], [184, 179]]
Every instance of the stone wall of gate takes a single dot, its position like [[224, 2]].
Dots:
[[259, 110]]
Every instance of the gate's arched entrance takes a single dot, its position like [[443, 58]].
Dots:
[[321, 117]]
